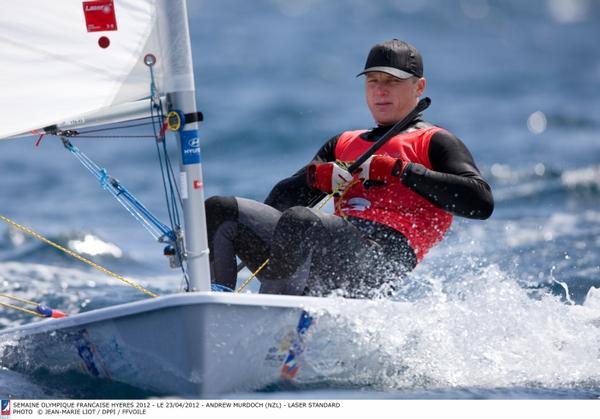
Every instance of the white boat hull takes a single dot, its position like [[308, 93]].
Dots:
[[190, 345]]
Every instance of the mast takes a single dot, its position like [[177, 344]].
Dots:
[[182, 99], [192, 194]]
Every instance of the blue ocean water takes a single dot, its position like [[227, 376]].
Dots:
[[505, 308]]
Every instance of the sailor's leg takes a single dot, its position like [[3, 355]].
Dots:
[[237, 226], [309, 242], [291, 242], [341, 256], [290, 253], [295, 284]]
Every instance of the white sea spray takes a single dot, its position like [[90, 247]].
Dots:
[[483, 331]]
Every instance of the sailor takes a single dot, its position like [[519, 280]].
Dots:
[[388, 214]]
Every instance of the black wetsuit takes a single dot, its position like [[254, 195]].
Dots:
[[315, 253]]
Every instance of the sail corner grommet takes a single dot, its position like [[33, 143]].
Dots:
[[149, 60]]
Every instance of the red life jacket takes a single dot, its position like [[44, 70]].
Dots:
[[395, 206]]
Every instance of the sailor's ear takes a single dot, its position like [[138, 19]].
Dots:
[[421, 85]]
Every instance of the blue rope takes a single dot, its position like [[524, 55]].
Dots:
[[220, 288], [156, 228]]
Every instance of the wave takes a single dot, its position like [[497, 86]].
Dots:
[[72, 385], [69, 290], [541, 249], [477, 331], [17, 386], [482, 331], [18, 246], [543, 182]]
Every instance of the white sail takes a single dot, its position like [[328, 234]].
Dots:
[[66, 58], [72, 63]]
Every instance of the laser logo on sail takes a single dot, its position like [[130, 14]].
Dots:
[[100, 15]]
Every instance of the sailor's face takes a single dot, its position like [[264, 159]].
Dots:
[[389, 98]]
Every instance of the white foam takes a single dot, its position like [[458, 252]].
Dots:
[[587, 177], [558, 224], [94, 246], [482, 330], [592, 299]]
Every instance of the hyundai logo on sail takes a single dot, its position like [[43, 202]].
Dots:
[[190, 147]]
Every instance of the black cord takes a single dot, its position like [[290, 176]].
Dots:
[[169, 183]]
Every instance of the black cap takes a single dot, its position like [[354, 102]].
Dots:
[[395, 57]]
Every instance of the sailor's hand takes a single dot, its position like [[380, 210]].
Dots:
[[381, 169], [328, 177]]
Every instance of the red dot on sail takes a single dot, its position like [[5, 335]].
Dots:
[[104, 42]]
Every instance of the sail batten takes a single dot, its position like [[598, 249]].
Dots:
[[121, 113]]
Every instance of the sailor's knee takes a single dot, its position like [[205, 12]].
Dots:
[[218, 210], [298, 218]]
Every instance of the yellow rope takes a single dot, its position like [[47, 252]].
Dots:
[[326, 200], [24, 310], [338, 204], [21, 300], [78, 257], [251, 277]]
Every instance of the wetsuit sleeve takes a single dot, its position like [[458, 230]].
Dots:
[[455, 183], [294, 190]]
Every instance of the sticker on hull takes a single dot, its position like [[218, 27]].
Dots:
[[286, 356]]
